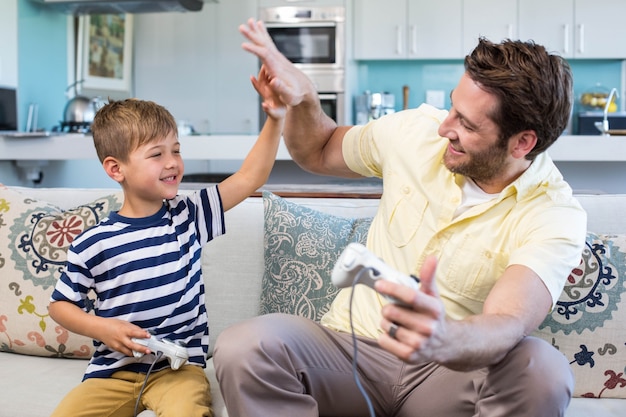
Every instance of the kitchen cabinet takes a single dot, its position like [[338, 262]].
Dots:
[[407, 29], [419, 29], [575, 28], [495, 20], [193, 64], [77, 146], [8, 51]]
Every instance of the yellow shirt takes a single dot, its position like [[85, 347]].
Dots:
[[535, 221]]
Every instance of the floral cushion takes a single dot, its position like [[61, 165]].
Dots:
[[301, 248], [34, 237], [588, 324]]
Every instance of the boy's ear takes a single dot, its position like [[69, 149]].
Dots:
[[113, 168]]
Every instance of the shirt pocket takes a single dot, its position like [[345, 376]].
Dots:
[[404, 214], [473, 269]]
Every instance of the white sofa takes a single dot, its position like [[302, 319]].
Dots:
[[234, 265]]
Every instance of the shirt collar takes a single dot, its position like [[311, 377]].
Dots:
[[541, 171]]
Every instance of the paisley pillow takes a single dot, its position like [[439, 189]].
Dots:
[[34, 238], [302, 246], [588, 323]]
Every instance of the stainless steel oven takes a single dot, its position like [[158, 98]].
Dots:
[[310, 37], [313, 38]]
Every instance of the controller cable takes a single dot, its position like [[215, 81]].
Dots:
[[158, 356], [370, 408]]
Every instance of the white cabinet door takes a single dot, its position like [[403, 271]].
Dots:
[[600, 28], [576, 28], [380, 29], [435, 29], [549, 23], [8, 50], [401, 29], [495, 20]]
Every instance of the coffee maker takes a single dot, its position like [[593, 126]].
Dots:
[[370, 106]]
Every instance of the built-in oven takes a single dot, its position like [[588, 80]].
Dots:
[[313, 38], [310, 37]]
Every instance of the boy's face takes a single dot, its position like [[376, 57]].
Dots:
[[154, 170]]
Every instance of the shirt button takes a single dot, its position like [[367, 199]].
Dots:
[[406, 189]]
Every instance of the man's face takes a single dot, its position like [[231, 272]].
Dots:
[[475, 150]]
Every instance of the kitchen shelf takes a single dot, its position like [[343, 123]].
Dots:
[[236, 147], [80, 146]]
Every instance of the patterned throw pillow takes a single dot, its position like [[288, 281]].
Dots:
[[301, 248], [34, 238], [588, 324]]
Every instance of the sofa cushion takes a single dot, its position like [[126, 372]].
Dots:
[[34, 238], [301, 248], [588, 322]]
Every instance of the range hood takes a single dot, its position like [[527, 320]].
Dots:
[[80, 7]]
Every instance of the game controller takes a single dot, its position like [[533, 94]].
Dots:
[[175, 352], [357, 261]]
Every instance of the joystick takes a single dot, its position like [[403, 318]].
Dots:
[[175, 352], [357, 261]]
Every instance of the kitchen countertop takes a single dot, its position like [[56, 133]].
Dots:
[[235, 147]]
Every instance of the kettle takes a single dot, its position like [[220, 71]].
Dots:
[[81, 110]]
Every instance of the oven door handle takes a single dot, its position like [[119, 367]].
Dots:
[[327, 96], [299, 25]]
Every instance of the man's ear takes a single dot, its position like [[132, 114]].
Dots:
[[113, 168], [523, 143]]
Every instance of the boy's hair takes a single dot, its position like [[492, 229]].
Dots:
[[122, 126], [533, 87]]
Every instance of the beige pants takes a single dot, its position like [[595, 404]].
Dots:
[[184, 392], [285, 366]]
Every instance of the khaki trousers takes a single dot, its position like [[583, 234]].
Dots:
[[286, 366], [168, 393]]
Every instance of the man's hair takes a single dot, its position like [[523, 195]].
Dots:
[[122, 126], [533, 88]]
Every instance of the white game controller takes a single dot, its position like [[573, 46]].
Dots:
[[176, 353], [357, 260]]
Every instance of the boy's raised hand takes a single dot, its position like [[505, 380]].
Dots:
[[272, 105], [289, 83]]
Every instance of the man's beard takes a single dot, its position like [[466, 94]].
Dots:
[[479, 166]]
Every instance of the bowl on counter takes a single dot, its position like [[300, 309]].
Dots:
[[595, 99]]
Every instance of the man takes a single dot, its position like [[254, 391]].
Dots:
[[473, 204]]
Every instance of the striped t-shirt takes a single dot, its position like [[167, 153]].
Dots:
[[146, 271]]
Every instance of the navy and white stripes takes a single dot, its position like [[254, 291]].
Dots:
[[147, 271]]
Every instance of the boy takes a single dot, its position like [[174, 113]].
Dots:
[[143, 262]]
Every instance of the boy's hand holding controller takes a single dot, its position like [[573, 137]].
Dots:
[[357, 262], [175, 352]]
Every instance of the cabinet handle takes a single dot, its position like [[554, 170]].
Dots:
[[399, 40], [413, 40], [581, 38], [565, 38]]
